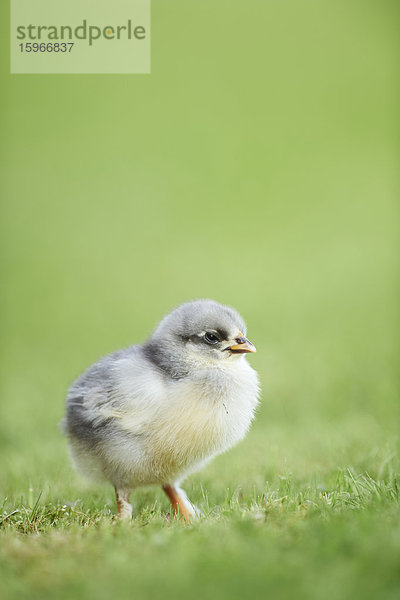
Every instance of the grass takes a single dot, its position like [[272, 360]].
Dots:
[[349, 490], [340, 537], [256, 165]]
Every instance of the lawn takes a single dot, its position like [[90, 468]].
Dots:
[[261, 174]]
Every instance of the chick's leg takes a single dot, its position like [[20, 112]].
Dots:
[[124, 509], [180, 503]]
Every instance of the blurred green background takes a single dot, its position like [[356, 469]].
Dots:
[[256, 165]]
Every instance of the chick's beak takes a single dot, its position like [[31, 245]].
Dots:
[[242, 345]]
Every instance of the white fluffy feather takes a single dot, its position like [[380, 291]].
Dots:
[[176, 426]]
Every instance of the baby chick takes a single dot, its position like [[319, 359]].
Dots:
[[156, 412]]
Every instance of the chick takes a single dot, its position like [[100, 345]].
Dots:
[[156, 412]]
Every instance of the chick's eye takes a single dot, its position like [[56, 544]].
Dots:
[[211, 338]]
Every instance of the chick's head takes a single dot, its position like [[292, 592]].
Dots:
[[200, 333]]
